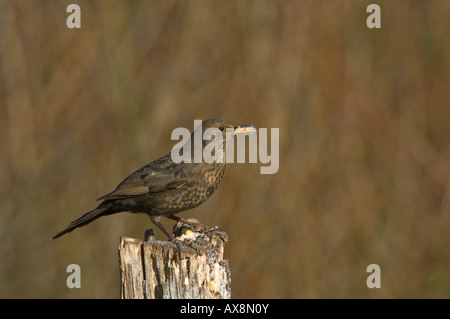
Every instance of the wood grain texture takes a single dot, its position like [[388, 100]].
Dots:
[[191, 266]]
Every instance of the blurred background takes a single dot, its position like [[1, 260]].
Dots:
[[364, 139]]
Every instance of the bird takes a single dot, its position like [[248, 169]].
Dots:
[[168, 186]]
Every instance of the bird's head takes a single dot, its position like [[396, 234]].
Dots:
[[216, 134]]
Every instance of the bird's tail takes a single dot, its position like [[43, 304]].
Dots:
[[85, 219]]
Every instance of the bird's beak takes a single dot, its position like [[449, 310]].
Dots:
[[243, 129]]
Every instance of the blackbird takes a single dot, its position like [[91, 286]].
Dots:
[[164, 188]]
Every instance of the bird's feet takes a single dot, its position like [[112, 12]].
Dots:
[[187, 228], [217, 231]]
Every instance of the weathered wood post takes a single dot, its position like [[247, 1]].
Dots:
[[192, 266]]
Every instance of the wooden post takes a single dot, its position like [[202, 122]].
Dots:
[[191, 266]]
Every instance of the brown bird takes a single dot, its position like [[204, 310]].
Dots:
[[164, 188]]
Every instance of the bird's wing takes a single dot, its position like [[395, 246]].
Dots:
[[152, 178]]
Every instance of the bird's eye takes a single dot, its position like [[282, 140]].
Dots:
[[222, 128]]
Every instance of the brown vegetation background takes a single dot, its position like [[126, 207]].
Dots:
[[364, 139]]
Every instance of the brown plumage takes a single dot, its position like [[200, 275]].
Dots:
[[164, 188]]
